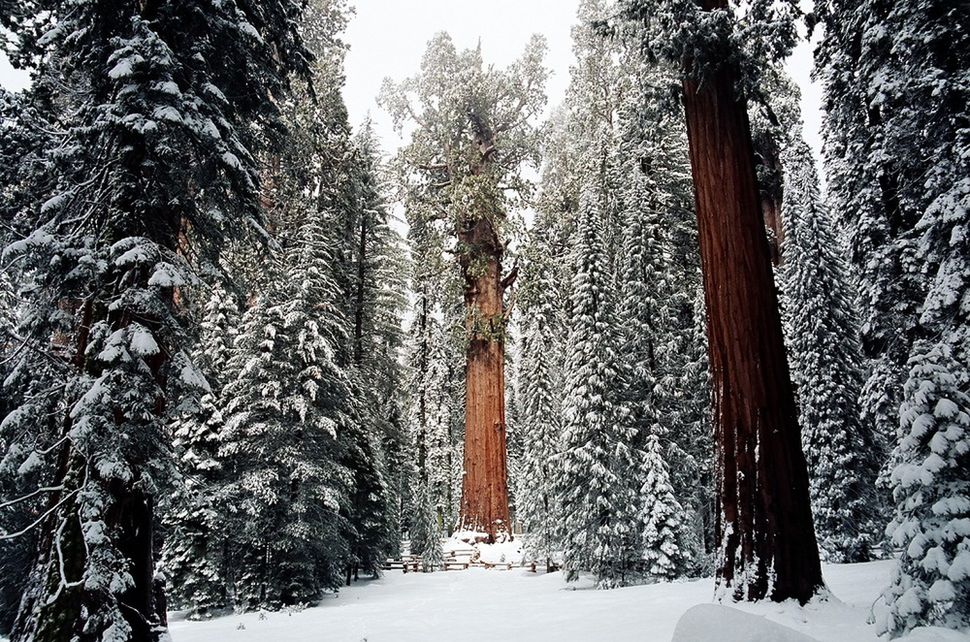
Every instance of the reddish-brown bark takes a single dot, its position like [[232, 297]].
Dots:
[[485, 495], [764, 526], [767, 154]]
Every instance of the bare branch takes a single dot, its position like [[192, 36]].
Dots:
[[36, 522], [46, 489], [511, 277]]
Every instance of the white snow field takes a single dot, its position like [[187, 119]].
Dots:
[[478, 605]]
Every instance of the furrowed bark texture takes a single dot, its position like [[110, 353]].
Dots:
[[764, 528], [485, 493]]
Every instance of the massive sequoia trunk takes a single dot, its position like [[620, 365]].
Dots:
[[764, 525], [475, 134], [485, 494]]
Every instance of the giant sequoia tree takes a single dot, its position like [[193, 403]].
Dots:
[[154, 110], [764, 525], [473, 133]]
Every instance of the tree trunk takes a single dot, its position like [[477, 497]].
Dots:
[[770, 183], [771, 197], [764, 524], [359, 294], [485, 494], [423, 362]]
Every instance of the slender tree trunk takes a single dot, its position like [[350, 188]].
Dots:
[[771, 186], [423, 359], [359, 294], [771, 198], [485, 494], [771, 210], [764, 523]]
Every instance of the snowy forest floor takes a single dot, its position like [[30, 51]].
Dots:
[[480, 604]]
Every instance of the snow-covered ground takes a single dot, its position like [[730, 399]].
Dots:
[[514, 605]]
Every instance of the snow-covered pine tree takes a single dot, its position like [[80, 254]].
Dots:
[[639, 129], [23, 141], [537, 503], [431, 409], [596, 468], [439, 442], [666, 533], [642, 276], [287, 404], [896, 149], [426, 531], [431, 412], [597, 84], [377, 302], [433, 555], [931, 487], [434, 394], [862, 177], [684, 403], [20, 476], [325, 177], [420, 520], [842, 453], [641, 313], [195, 555], [513, 420], [173, 99]]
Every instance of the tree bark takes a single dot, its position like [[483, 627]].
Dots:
[[771, 201], [485, 494], [771, 188], [360, 288], [423, 362], [764, 524]]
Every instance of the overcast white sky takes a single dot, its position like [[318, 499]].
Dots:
[[388, 37]]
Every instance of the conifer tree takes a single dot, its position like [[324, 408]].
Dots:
[[432, 553], [643, 281], [767, 544], [596, 464], [328, 178], [288, 403], [463, 164], [930, 487], [431, 408], [195, 557], [665, 535], [175, 97], [896, 152], [440, 444], [23, 141], [618, 110], [537, 503], [19, 477], [843, 455]]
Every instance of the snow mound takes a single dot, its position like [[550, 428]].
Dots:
[[706, 622], [501, 553], [467, 546], [934, 634]]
